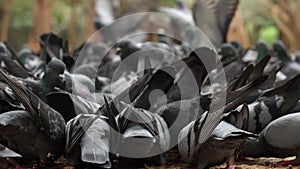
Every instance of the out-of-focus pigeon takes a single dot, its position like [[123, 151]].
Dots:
[[13, 64], [214, 17]]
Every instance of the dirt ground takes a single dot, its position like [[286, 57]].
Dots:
[[248, 163]]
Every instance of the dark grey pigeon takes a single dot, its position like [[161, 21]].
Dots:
[[222, 146], [73, 104], [12, 62], [289, 68], [51, 46], [228, 53], [8, 101], [53, 77], [279, 139], [297, 57], [39, 126], [262, 49]]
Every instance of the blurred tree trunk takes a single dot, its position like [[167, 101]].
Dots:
[[138, 5], [237, 30], [6, 7], [72, 29], [42, 16], [90, 15], [286, 15]]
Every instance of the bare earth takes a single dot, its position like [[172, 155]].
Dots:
[[248, 163]]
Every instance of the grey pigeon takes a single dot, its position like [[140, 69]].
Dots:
[[222, 146], [80, 85], [214, 17], [88, 141], [278, 139], [135, 123], [273, 104]]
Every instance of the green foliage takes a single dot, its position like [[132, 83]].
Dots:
[[258, 20], [269, 34], [61, 14], [21, 13], [170, 3]]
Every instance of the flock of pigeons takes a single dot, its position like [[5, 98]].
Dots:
[[56, 103]]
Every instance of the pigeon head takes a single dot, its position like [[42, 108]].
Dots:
[[126, 48], [297, 56], [281, 51], [227, 49], [54, 75], [3, 48], [180, 4], [228, 53], [262, 49], [98, 24], [239, 47]]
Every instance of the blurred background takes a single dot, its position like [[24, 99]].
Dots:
[[23, 21]]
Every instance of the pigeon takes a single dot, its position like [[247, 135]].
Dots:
[[89, 60], [6, 152], [73, 104], [239, 47], [214, 17], [88, 141], [273, 104], [278, 139], [37, 126], [51, 46], [289, 67], [8, 101], [54, 76], [31, 61], [180, 113], [222, 146], [297, 57], [144, 130], [262, 49], [228, 53], [12, 62], [80, 85], [90, 138]]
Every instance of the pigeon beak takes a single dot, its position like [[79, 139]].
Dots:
[[62, 77]]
